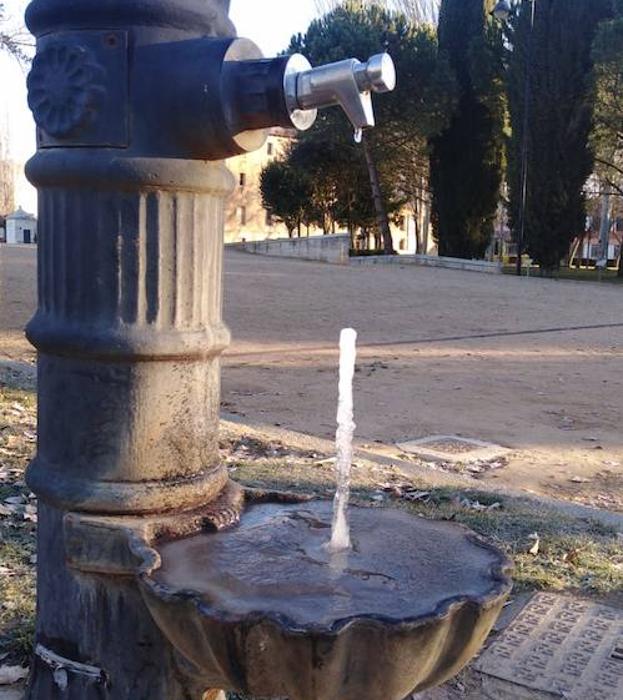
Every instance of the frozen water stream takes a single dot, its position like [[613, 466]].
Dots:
[[340, 531]]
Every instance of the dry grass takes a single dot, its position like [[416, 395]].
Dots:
[[17, 525]]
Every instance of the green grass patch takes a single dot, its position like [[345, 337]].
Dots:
[[566, 273]]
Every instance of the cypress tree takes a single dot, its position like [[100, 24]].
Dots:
[[559, 122], [467, 159]]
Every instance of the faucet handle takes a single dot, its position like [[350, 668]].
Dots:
[[377, 75]]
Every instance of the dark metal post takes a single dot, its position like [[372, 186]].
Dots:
[[521, 241], [128, 328]]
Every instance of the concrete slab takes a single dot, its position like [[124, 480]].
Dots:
[[557, 647], [454, 449]]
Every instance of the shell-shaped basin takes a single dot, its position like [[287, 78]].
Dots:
[[266, 610]]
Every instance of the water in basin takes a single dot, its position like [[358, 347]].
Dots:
[[276, 562]]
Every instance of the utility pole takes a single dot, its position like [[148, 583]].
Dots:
[[604, 234], [502, 11], [525, 149]]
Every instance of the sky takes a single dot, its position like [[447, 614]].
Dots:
[[269, 23]]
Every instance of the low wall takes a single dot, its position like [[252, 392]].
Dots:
[[330, 249], [493, 268]]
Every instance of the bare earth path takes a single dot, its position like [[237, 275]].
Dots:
[[535, 365]]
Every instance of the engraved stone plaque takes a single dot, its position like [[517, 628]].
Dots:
[[563, 646]]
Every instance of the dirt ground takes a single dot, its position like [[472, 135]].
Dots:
[[531, 364]]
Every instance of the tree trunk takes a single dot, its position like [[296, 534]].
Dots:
[[417, 222], [426, 227], [379, 203], [580, 254], [575, 250]]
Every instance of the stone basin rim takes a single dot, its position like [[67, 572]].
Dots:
[[501, 585]]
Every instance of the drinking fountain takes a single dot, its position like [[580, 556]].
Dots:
[[137, 103], [264, 609]]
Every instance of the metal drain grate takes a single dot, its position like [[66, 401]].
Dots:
[[563, 646], [453, 448]]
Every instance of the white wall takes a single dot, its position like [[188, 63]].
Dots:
[[16, 228], [330, 249]]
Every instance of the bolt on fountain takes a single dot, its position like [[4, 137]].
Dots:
[[137, 103]]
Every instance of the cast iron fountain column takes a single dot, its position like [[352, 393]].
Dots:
[[137, 103], [128, 329]]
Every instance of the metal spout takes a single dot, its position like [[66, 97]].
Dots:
[[348, 83]]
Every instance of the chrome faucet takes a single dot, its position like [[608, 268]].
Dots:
[[348, 83]]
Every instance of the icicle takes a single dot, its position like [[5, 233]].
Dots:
[[340, 536]]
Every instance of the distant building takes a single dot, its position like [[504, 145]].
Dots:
[[587, 250], [21, 227], [246, 219]]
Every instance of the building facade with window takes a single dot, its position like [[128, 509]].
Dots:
[[245, 217]]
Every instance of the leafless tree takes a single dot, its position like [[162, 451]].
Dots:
[[17, 43], [14, 39], [7, 173], [418, 11]]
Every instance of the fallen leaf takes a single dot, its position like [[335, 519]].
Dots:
[[475, 468], [534, 550], [30, 513], [417, 495], [14, 500], [571, 556]]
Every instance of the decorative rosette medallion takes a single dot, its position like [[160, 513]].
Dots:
[[62, 89]]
